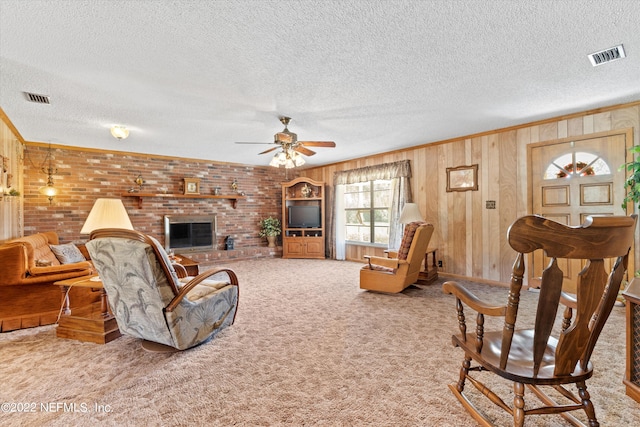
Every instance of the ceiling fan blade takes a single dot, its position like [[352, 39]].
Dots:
[[254, 142], [269, 150], [302, 150], [318, 143]]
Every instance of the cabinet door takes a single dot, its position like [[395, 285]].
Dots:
[[315, 248], [293, 247]]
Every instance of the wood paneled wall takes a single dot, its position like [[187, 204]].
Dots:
[[471, 239], [10, 179]]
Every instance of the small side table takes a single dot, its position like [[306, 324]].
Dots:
[[91, 323], [430, 273], [190, 265], [632, 372]]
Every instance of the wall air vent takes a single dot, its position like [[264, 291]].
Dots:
[[607, 55], [38, 99]]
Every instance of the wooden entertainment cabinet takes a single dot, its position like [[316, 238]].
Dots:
[[301, 241]]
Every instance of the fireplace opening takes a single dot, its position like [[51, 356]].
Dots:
[[189, 233]]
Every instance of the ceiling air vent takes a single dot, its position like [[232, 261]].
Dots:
[[607, 55], [38, 99]]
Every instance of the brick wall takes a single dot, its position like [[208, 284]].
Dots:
[[84, 176]]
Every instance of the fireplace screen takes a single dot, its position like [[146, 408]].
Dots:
[[189, 233]]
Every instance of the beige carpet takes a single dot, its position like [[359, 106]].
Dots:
[[308, 348]]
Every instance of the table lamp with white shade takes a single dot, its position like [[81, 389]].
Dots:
[[107, 213], [410, 213]]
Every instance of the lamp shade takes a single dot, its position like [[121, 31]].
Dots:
[[410, 213], [48, 190], [107, 213], [298, 160]]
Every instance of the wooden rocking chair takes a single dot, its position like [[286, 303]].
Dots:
[[541, 356]]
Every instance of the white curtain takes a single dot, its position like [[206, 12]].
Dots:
[[398, 172], [401, 195], [340, 223]]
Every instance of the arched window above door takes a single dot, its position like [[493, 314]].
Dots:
[[577, 164]]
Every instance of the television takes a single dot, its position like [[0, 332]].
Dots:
[[304, 217]]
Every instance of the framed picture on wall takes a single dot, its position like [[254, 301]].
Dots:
[[462, 178], [191, 185]]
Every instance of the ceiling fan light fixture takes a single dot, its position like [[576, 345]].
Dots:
[[292, 150], [287, 158], [285, 137], [293, 159], [275, 162], [289, 164], [298, 160], [119, 132]]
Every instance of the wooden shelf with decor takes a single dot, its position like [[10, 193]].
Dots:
[[303, 223], [140, 196]]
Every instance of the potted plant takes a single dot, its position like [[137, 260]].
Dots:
[[270, 228], [632, 185]]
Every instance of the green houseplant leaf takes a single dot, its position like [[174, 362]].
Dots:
[[270, 227], [632, 183]]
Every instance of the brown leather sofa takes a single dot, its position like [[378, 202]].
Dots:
[[27, 295]]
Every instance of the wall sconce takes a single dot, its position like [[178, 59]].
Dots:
[[119, 132], [49, 190]]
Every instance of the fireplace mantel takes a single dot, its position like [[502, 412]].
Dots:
[[233, 197]]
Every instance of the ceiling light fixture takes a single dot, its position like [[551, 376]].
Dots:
[[119, 132], [287, 158], [49, 190]]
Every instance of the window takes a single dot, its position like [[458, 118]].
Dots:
[[372, 220], [367, 211], [576, 164]]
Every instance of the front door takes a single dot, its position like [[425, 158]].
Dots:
[[572, 179]]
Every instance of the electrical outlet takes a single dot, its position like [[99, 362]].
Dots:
[[440, 263], [491, 204]]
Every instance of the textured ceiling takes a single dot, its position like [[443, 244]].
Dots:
[[189, 78]]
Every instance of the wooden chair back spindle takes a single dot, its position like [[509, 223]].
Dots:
[[533, 352]]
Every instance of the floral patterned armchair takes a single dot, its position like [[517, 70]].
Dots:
[[148, 299]]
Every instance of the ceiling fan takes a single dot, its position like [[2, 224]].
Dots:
[[291, 147]]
